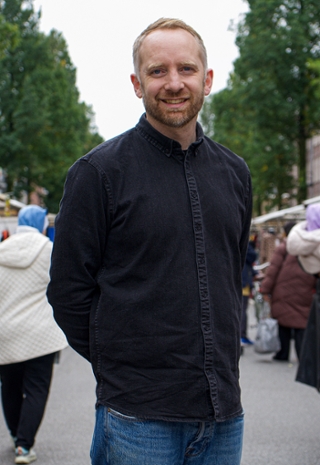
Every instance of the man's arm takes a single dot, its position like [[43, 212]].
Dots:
[[81, 231]]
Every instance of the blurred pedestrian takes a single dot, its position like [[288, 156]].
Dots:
[[304, 240], [248, 274], [4, 235], [289, 290], [269, 241], [29, 336]]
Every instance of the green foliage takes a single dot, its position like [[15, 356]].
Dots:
[[314, 66], [271, 105], [43, 126], [9, 36]]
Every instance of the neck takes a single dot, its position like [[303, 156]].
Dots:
[[185, 135]]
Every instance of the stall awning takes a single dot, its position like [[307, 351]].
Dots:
[[298, 212]]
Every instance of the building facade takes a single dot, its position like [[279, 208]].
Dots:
[[313, 166]]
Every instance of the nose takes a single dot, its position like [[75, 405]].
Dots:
[[174, 82]]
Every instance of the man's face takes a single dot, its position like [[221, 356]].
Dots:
[[172, 80]]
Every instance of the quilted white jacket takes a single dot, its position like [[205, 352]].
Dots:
[[306, 245], [27, 326]]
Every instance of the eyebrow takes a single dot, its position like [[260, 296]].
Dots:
[[189, 63], [153, 66]]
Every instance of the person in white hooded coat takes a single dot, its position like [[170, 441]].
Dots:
[[304, 240], [29, 335]]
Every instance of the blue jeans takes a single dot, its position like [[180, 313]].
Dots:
[[122, 440]]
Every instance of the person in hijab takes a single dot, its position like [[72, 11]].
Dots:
[[248, 274], [29, 335], [304, 240], [289, 290]]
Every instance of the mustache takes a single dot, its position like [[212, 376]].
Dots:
[[172, 95]]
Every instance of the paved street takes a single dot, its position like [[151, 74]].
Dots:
[[282, 416], [282, 420]]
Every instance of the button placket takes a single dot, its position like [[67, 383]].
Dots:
[[202, 278]]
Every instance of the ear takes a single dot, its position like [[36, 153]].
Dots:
[[208, 82], [136, 85]]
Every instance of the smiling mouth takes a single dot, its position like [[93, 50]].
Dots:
[[174, 101]]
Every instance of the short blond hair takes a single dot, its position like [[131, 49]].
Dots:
[[166, 23]]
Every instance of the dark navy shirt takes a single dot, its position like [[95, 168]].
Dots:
[[149, 246]]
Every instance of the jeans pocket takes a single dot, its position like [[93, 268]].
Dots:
[[121, 416]]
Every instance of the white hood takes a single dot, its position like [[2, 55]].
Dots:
[[21, 249], [306, 245]]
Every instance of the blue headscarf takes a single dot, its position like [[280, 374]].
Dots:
[[33, 216]]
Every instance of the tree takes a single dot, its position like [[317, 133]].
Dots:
[[44, 128], [276, 100], [231, 122], [9, 35], [314, 65]]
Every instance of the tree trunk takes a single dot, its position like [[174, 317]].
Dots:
[[302, 153]]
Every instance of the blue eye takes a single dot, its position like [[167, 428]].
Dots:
[[187, 69], [156, 72]]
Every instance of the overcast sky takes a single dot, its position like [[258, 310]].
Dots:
[[100, 34]]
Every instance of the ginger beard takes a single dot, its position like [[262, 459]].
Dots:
[[173, 117]]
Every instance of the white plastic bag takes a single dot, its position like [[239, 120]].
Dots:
[[267, 338]]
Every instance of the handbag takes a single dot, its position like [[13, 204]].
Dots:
[[309, 363], [267, 337]]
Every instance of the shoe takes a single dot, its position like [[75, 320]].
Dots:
[[279, 359], [24, 455], [246, 342]]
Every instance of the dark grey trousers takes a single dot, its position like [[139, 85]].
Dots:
[[24, 392]]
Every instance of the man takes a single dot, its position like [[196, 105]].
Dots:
[[146, 272]]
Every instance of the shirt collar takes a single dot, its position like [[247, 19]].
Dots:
[[165, 144]]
